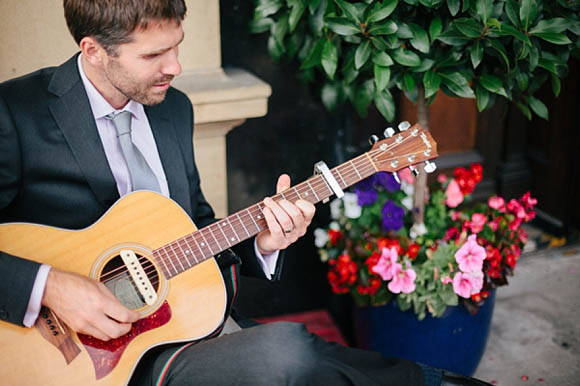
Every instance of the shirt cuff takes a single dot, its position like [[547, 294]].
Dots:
[[267, 262], [34, 304]]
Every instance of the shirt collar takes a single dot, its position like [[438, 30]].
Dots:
[[99, 105]]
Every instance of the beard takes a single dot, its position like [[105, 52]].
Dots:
[[142, 91]]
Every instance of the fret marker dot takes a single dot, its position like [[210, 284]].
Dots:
[[233, 239], [187, 252], [202, 244]]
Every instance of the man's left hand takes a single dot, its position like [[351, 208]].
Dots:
[[286, 221]]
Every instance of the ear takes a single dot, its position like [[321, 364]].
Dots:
[[93, 51]]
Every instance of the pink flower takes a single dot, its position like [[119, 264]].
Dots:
[[446, 280], [514, 225], [453, 194], [493, 224], [470, 256], [477, 222], [387, 263], [467, 284], [405, 175], [403, 280], [496, 202], [516, 208], [528, 201], [441, 178]]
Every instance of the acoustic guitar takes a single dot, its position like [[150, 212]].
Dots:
[[148, 252]]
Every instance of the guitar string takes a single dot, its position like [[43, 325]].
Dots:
[[291, 193]]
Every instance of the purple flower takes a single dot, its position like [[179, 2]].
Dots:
[[392, 216], [387, 181], [366, 197], [366, 184]]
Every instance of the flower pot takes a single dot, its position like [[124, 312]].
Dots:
[[455, 342]]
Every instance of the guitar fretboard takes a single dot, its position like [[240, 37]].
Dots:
[[209, 241]]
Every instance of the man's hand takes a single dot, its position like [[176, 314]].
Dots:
[[286, 221], [87, 306]]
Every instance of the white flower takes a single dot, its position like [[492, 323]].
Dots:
[[407, 202], [409, 189], [334, 226], [323, 255], [335, 208], [417, 230], [320, 237], [351, 207]]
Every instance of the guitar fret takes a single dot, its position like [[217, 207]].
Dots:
[[243, 225], [160, 258], [297, 193], [356, 170], [205, 242], [313, 191], [233, 230], [198, 248], [166, 258], [170, 259], [220, 226], [186, 251], [217, 243], [344, 185], [254, 221], [178, 257]]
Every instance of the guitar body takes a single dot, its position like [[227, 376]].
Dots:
[[190, 306]]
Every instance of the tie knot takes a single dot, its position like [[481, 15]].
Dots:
[[122, 122]]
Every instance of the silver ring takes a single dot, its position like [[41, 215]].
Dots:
[[288, 230]]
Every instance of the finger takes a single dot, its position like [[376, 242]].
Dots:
[[280, 214], [111, 328], [115, 310], [283, 183], [273, 226], [307, 208]]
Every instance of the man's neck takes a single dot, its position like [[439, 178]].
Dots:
[[98, 79]]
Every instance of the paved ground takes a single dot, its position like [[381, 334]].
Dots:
[[535, 335]]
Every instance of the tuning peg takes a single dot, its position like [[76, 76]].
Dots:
[[429, 167], [389, 132], [396, 176], [404, 125], [414, 170], [373, 139]]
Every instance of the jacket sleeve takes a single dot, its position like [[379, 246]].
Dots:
[[17, 274]]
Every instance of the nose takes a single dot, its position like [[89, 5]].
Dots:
[[171, 65]]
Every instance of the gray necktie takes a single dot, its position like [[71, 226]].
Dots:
[[142, 177]]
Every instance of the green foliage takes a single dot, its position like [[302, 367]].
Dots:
[[358, 51]]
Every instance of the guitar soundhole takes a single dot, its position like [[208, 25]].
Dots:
[[117, 279]]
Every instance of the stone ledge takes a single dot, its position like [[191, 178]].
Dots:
[[224, 94]]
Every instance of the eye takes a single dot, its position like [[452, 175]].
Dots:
[[151, 56]]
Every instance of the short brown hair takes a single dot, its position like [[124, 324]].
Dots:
[[111, 22]]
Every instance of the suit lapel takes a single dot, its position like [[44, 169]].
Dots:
[[72, 112], [170, 153]]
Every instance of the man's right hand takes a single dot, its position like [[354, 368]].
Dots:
[[87, 306]]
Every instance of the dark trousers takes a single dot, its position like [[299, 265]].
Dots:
[[271, 355]]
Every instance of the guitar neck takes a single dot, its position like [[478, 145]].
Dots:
[[188, 251]]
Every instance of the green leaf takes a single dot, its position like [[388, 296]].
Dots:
[[313, 6], [261, 25], [476, 54], [298, 8], [493, 83], [362, 54], [404, 31], [379, 11], [457, 84], [382, 77], [329, 58], [379, 43], [538, 107], [382, 59], [275, 49], [406, 58], [279, 30], [363, 97], [426, 65], [508, 30], [555, 84], [548, 65], [453, 6], [468, 27], [265, 8], [528, 12], [385, 104], [495, 44], [522, 79], [482, 97], [420, 39], [342, 26], [484, 9], [435, 28], [431, 82], [314, 57], [330, 95], [349, 10], [525, 110], [512, 12], [554, 38], [408, 82], [556, 25], [385, 28], [453, 37]]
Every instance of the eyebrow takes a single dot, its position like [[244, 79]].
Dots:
[[164, 49]]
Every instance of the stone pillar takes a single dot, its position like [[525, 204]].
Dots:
[[33, 34]]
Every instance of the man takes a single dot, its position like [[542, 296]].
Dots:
[[63, 163]]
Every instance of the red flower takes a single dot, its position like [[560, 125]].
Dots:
[[334, 236], [413, 251], [342, 273], [389, 243], [511, 260]]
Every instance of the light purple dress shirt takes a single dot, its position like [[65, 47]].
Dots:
[[142, 137]]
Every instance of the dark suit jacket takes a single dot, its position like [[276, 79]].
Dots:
[[53, 168]]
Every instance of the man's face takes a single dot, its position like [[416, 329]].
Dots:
[[143, 69]]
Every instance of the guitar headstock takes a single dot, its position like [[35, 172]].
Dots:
[[410, 146]]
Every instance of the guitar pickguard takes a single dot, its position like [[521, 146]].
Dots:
[[106, 355]]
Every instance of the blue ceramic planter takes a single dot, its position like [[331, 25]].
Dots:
[[454, 342]]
